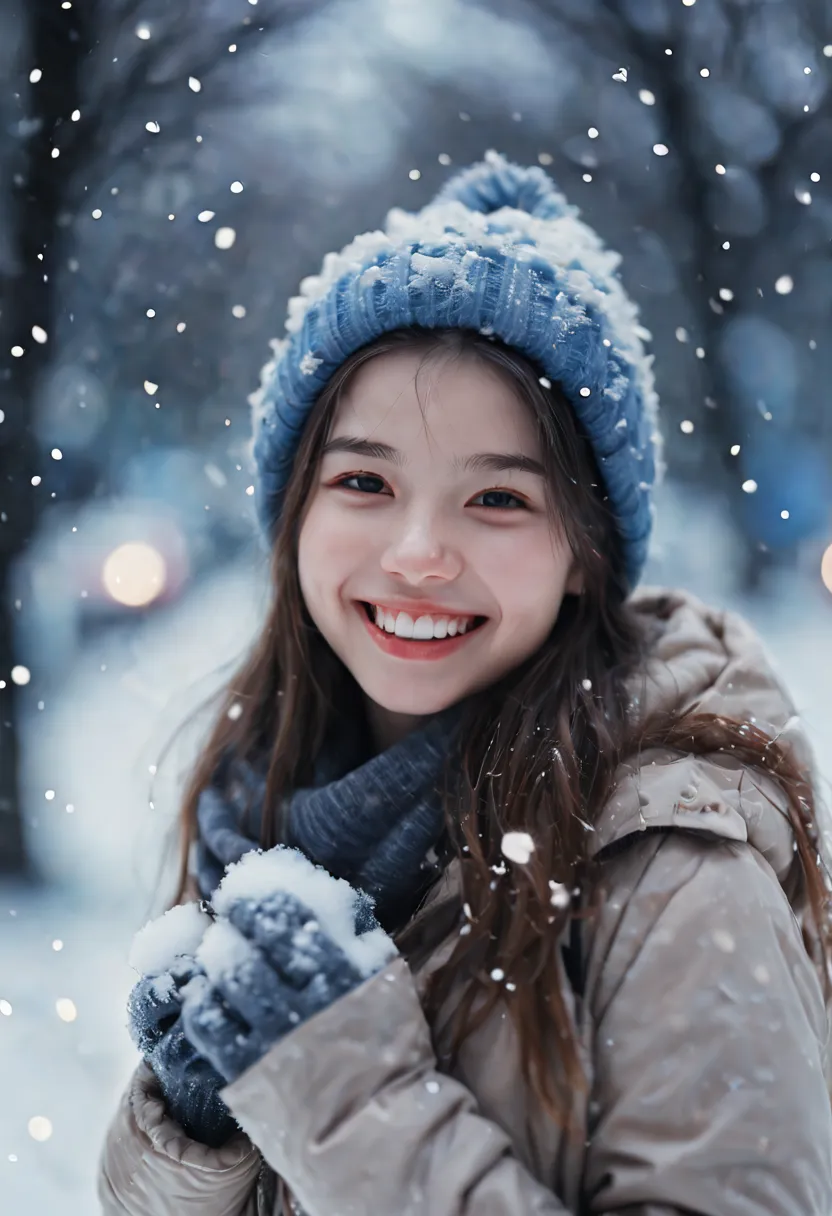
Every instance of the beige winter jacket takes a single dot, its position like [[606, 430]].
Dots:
[[702, 1026]]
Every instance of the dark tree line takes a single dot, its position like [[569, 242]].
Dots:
[[740, 99], [87, 87]]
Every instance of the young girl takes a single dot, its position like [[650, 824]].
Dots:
[[514, 896]]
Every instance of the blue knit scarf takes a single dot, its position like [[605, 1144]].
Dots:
[[373, 820]]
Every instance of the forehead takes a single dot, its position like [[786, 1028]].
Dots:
[[462, 404]]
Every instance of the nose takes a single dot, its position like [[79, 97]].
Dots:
[[418, 553]]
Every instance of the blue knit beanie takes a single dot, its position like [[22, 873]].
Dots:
[[499, 251]]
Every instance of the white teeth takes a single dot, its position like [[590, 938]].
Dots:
[[404, 625], [423, 628]]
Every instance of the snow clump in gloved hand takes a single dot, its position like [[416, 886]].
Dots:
[[163, 952], [289, 940]]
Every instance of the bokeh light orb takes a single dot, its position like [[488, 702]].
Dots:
[[40, 1128], [66, 1009], [826, 569], [134, 574]]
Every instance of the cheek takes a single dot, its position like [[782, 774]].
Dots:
[[526, 573], [329, 549]]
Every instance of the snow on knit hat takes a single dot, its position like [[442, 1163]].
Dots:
[[499, 251]]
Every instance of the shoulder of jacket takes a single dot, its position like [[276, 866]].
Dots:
[[714, 796], [641, 877]]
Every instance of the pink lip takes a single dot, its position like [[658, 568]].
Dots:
[[410, 648], [422, 608]]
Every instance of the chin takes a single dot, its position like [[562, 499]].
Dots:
[[415, 702]]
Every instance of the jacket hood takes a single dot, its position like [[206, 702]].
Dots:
[[709, 661]]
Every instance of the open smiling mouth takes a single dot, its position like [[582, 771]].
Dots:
[[423, 636], [423, 627]]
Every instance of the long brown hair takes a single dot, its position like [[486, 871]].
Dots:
[[540, 748]]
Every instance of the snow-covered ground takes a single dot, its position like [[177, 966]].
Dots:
[[94, 745]]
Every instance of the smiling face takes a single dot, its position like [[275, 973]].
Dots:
[[429, 517]]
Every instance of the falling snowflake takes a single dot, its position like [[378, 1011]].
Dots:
[[517, 847], [560, 897]]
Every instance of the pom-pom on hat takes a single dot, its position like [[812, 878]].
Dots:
[[500, 251]]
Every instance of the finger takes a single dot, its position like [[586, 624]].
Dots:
[[272, 924], [255, 992], [285, 930], [152, 1007], [219, 1034], [315, 954], [326, 987]]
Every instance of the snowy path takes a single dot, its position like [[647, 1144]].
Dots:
[[94, 746]]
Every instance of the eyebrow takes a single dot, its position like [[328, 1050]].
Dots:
[[481, 462]]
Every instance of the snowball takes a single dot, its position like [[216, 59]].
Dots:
[[331, 900], [517, 846], [177, 931], [223, 949]]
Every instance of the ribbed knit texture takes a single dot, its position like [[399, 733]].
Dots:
[[501, 252], [370, 821]]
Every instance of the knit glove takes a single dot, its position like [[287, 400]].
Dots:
[[288, 941], [189, 1083]]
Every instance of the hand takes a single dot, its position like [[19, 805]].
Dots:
[[189, 1083], [272, 961]]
